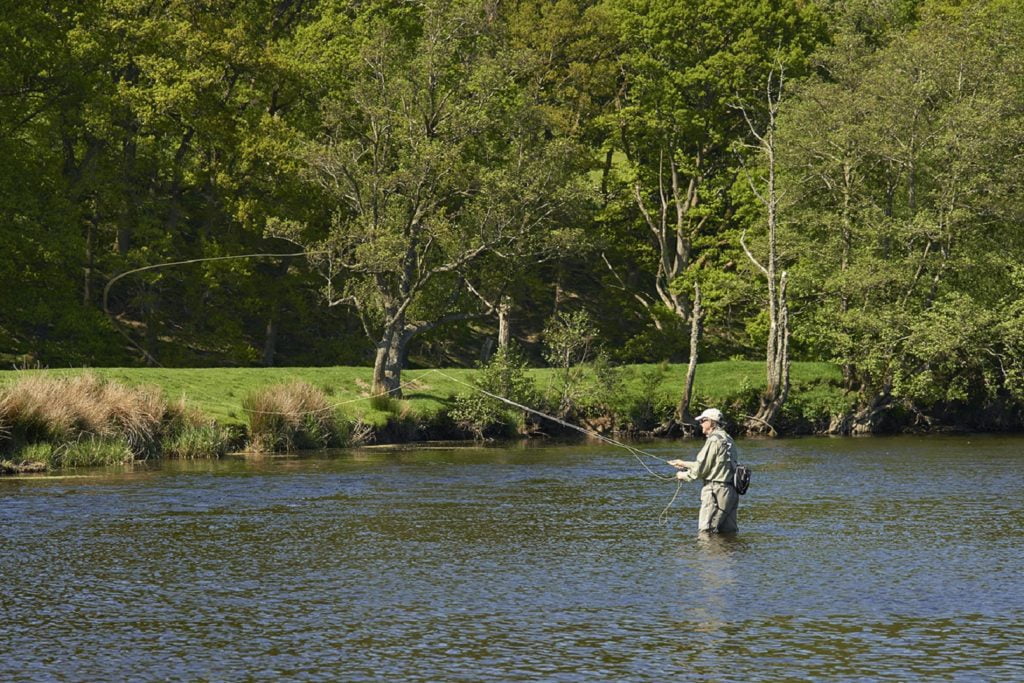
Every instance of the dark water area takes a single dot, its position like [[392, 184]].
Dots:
[[857, 559]]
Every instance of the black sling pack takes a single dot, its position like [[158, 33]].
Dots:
[[740, 473], [741, 479]]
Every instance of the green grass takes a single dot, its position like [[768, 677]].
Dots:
[[86, 452], [218, 392], [196, 441], [91, 452], [719, 381]]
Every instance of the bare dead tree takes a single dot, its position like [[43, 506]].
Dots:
[[696, 330], [672, 222], [777, 352]]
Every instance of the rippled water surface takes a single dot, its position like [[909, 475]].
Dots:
[[896, 558]]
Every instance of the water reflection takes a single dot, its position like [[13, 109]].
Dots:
[[714, 558]]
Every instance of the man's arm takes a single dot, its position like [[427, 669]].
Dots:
[[690, 470], [713, 448]]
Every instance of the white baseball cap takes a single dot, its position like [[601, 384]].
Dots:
[[713, 414]]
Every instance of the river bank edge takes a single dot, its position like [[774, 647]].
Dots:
[[236, 441], [59, 421]]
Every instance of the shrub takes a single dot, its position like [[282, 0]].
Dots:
[[646, 406], [568, 338], [505, 376], [817, 403]]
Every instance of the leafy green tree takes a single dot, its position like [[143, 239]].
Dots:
[[46, 207], [168, 147], [682, 70], [431, 158], [901, 163]]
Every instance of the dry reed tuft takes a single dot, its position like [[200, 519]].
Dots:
[[84, 420], [5, 424], [287, 417], [65, 410]]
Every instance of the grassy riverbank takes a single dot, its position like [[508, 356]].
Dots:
[[69, 417], [219, 392]]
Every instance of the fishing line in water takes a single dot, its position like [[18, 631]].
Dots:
[[663, 517], [635, 452]]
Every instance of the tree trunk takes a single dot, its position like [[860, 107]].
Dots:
[[609, 156], [865, 419], [683, 411], [270, 341], [777, 361], [504, 322], [87, 269], [152, 336], [130, 219], [777, 353], [387, 366], [486, 351]]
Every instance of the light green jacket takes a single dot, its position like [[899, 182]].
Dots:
[[712, 463]]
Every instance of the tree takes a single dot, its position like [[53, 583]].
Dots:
[[767, 192], [431, 159], [671, 124]]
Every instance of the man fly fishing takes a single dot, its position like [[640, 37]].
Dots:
[[715, 464]]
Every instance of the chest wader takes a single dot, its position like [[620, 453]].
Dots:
[[719, 501]]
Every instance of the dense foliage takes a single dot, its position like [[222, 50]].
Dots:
[[447, 169]]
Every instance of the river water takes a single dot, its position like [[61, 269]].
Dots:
[[857, 559]]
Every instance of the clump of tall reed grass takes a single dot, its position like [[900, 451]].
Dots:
[[292, 416], [68, 410], [83, 420], [91, 451]]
